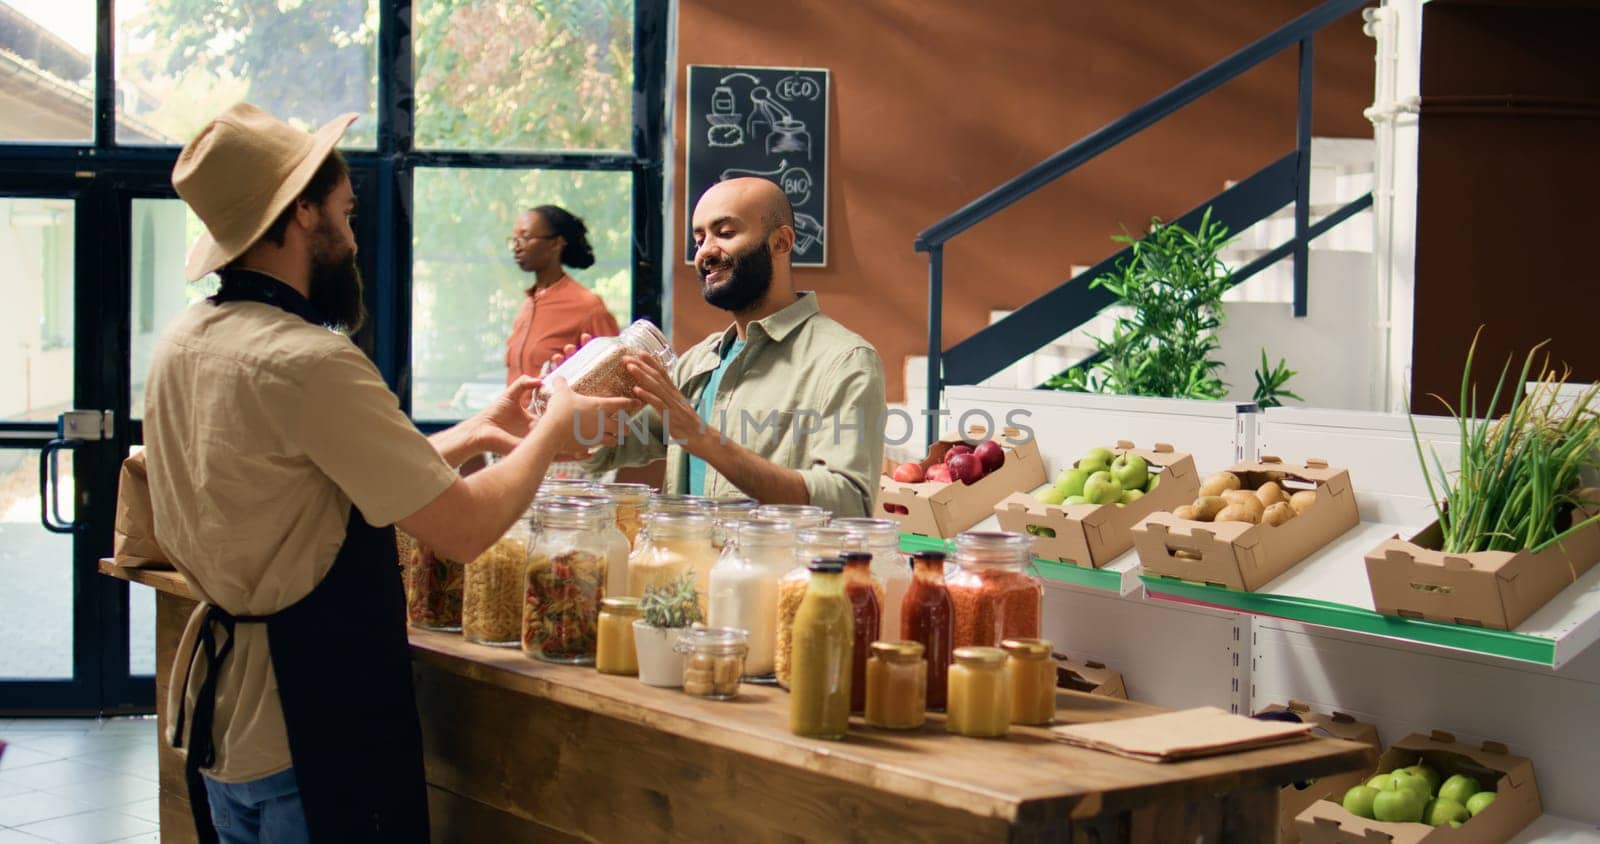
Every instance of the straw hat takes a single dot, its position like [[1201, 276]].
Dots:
[[239, 174]]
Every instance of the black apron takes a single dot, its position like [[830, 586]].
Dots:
[[343, 666]]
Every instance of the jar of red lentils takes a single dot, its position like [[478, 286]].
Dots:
[[995, 591]]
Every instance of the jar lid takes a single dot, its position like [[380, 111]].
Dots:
[[625, 604], [857, 558], [678, 520], [763, 529], [930, 556], [980, 656], [898, 650], [735, 505], [566, 511], [827, 537], [714, 640], [588, 499], [566, 486], [631, 493], [983, 547], [1031, 648], [826, 565], [681, 504], [802, 515], [877, 531]]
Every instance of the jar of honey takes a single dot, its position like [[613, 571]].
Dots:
[[1031, 674], [897, 680], [979, 700]]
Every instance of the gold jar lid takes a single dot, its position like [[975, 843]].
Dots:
[[975, 656], [622, 605], [1028, 648], [898, 651]]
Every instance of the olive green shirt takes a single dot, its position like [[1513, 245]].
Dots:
[[805, 393]]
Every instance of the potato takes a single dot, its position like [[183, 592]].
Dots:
[[1188, 511], [1246, 499], [1277, 514], [1219, 483], [1183, 554], [1238, 513], [1302, 500], [1270, 493], [1209, 506]]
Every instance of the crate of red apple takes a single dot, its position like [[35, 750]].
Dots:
[[1086, 517], [957, 484]]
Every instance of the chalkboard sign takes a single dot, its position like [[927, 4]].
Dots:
[[770, 122]]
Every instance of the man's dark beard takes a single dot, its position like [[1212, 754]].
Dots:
[[749, 278], [336, 283]]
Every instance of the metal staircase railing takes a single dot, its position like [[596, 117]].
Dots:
[[1072, 303]]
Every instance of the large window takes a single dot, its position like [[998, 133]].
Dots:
[[46, 70]]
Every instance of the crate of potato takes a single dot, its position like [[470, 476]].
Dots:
[[1086, 517], [956, 485], [1430, 788], [1249, 525]]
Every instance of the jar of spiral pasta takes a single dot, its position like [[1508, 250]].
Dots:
[[492, 585], [564, 581]]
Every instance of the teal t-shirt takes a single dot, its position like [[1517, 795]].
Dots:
[[708, 400]]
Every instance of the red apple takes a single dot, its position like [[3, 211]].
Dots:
[[966, 468], [909, 473], [958, 448], [939, 472], [991, 455]]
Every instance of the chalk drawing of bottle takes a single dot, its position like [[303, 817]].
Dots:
[[724, 120], [784, 133]]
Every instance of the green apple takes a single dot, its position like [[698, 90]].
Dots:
[[1455, 824], [1130, 470], [1444, 810], [1459, 788], [1096, 460], [1101, 488], [1154, 481], [1421, 769], [1400, 805], [1405, 779], [1074, 500], [1131, 495], [1053, 495], [1070, 481], [1382, 782], [1480, 801], [1358, 801]]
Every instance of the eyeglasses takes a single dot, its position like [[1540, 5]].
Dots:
[[519, 240]]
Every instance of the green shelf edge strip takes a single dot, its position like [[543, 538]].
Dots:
[[1482, 640], [1519, 646]]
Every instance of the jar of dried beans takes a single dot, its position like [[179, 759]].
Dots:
[[564, 580], [995, 591], [597, 369]]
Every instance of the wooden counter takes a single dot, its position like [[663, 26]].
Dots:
[[519, 750]]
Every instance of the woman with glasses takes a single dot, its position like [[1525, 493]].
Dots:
[[557, 310]]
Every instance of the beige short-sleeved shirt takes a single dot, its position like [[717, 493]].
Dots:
[[261, 430]]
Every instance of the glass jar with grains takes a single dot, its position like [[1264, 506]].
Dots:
[[631, 500], [994, 589], [673, 543], [564, 581], [597, 369], [744, 588], [492, 587]]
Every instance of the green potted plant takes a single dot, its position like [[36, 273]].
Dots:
[[666, 611]]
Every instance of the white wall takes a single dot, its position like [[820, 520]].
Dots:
[[35, 382]]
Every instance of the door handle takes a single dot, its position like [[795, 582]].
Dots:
[[49, 483]]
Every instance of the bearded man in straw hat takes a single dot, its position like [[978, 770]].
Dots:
[[278, 464]]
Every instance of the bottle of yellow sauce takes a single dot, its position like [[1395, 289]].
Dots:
[[897, 686], [614, 653], [1031, 673], [979, 702], [820, 658]]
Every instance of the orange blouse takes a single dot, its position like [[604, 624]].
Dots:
[[551, 319]]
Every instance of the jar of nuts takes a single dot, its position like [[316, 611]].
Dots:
[[714, 661], [598, 369]]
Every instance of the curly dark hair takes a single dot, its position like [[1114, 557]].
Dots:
[[577, 253]]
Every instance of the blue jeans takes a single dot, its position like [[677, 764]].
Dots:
[[266, 810]]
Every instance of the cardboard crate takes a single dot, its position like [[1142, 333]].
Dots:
[[1497, 589], [1516, 803], [1240, 555], [939, 509], [1292, 800], [1089, 676], [1092, 535]]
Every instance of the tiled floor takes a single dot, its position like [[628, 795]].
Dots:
[[78, 781]]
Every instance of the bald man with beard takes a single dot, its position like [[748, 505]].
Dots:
[[784, 405]]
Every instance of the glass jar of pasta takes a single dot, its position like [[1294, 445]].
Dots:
[[492, 587], [564, 581], [616, 542], [433, 586]]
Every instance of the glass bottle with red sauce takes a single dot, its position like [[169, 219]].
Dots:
[[866, 601], [928, 616]]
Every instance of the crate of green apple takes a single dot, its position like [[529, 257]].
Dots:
[[1249, 524], [1431, 788], [957, 484], [1086, 516], [1296, 797]]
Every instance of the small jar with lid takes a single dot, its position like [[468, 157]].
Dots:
[[978, 699], [897, 686], [1031, 674], [881, 538], [996, 593], [565, 581], [614, 651], [744, 588], [493, 586], [631, 500], [811, 544], [673, 543], [728, 512], [713, 661], [802, 516], [616, 542], [598, 368]]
